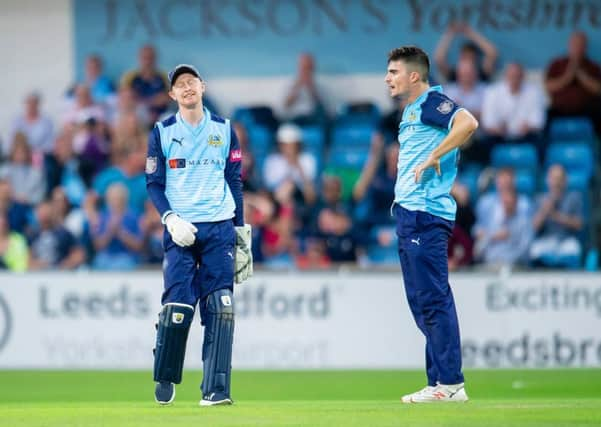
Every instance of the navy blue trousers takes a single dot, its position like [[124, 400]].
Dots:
[[192, 273], [422, 244]]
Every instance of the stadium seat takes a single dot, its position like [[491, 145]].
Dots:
[[260, 138], [571, 128], [516, 156], [574, 157], [525, 181], [352, 135], [383, 255], [314, 137], [352, 157], [359, 112], [469, 178]]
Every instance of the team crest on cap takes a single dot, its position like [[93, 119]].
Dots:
[[215, 141], [445, 107], [151, 164]]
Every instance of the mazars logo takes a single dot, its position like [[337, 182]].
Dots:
[[5, 323]]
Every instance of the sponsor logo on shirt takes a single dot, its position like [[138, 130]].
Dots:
[[151, 165], [445, 107], [183, 163], [177, 163], [235, 155], [215, 141]]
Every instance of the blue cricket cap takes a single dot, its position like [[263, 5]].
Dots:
[[181, 69]]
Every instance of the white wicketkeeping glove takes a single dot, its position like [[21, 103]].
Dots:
[[182, 231], [244, 257]]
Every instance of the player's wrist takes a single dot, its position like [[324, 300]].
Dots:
[[165, 216]]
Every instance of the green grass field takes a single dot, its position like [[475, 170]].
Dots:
[[313, 398]]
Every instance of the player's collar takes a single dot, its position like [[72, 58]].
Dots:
[[425, 93], [194, 130]]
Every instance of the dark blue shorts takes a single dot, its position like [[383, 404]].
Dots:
[[192, 273]]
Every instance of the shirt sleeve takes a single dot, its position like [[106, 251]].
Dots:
[[438, 110], [155, 174], [233, 169]]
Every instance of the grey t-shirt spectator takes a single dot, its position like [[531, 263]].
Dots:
[[570, 204]]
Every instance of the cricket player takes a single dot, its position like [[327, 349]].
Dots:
[[193, 179], [431, 130]]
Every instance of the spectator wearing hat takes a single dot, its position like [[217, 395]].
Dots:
[[291, 170]]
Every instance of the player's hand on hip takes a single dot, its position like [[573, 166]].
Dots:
[[431, 162], [182, 231], [243, 263]]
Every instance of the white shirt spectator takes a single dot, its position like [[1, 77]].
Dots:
[[39, 133], [513, 112], [470, 100], [278, 170]]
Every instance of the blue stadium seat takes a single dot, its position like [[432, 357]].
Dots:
[[314, 137], [347, 157], [469, 178], [574, 157], [260, 138], [571, 128], [243, 115], [359, 112], [516, 156], [383, 255], [352, 135], [525, 181]]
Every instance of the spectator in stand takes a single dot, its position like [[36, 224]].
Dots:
[[513, 108], [374, 190], [63, 169], [37, 128], [128, 169], [388, 128], [27, 182], [127, 132], [69, 216], [91, 145], [291, 169], [152, 234], [18, 215], [573, 83], [333, 222], [117, 237], [503, 228], [558, 220], [14, 253], [273, 225], [461, 245], [468, 90], [82, 108], [149, 84], [125, 105], [52, 245], [303, 103], [101, 87], [471, 51], [250, 180]]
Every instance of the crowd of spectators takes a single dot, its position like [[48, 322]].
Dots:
[[73, 195]]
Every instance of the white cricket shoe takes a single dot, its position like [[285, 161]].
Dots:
[[215, 399], [440, 393]]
